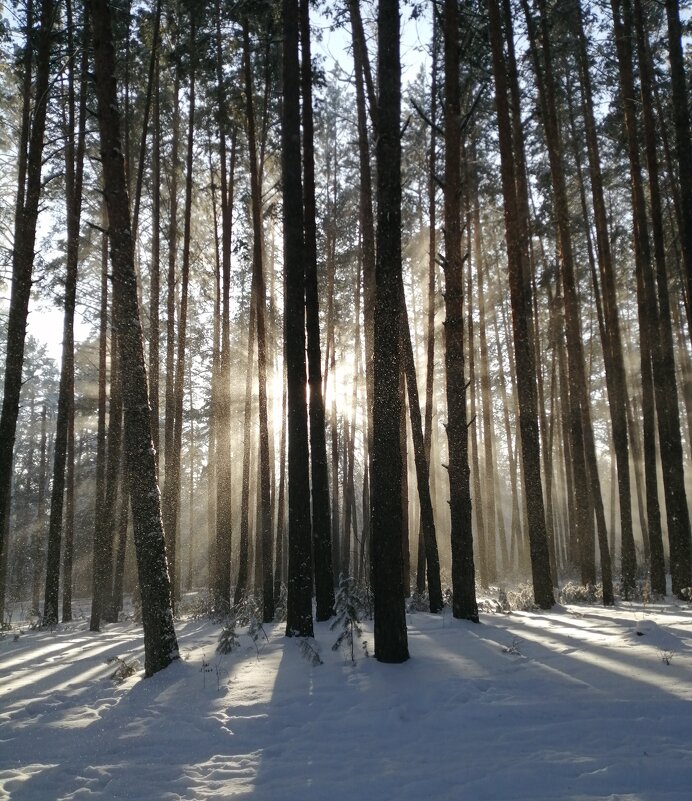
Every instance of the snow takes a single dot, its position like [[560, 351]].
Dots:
[[580, 703]]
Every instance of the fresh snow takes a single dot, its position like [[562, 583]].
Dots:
[[576, 704]]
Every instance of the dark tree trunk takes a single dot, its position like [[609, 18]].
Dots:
[[683, 141], [74, 162], [321, 534], [612, 343], [463, 572], [171, 488], [160, 643], [390, 620], [299, 602], [264, 531], [102, 573], [422, 461], [670, 440], [430, 303], [653, 386], [224, 486], [38, 535], [26, 214], [522, 321]]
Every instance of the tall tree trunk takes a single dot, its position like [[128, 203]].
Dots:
[[463, 573], [653, 392], [430, 301], [244, 545], [522, 320], [102, 573], [390, 620], [155, 271], [259, 290], [171, 488], [422, 461], [299, 602], [223, 533], [321, 535], [683, 141], [26, 215], [160, 643], [612, 343], [37, 545], [74, 163], [670, 441], [583, 451]]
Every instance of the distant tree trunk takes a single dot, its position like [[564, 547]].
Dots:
[[463, 572], [279, 546], [264, 534], [37, 549], [487, 571], [522, 320], [120, 540], [68, 552], [321, 535], [171, 489], [160, 643], [74, 164], [363, 81], [244, 545], [405, 522], [299, 602], [102, 573], [486, 399], [155, 272], [430, 301], [683, 141], [612, 344], [172, 242], [29, 191], [670, 441], [224, 486], [654, 401], [390, 620], [422, 461]]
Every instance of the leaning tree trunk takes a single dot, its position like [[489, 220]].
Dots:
[[160, 643]]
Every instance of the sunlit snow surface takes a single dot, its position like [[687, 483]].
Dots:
[[580, 703]]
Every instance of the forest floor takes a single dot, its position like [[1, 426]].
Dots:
[[578, 703]]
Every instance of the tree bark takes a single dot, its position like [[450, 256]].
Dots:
[[160, 643], [299, 602], [321, 534], [522, 316], [26, 215], [390, 620]]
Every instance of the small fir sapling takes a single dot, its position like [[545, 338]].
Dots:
[[310, 652], [228, 639], [347, 616], [246, 613]]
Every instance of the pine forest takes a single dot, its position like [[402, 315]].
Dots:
[[340, 315]]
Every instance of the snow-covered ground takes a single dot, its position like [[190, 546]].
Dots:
[[580, 703]]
